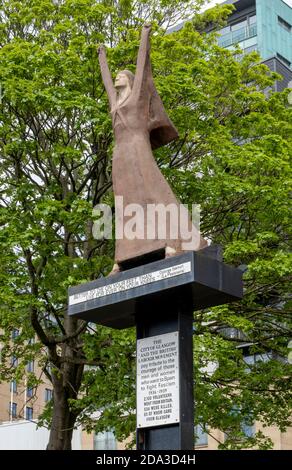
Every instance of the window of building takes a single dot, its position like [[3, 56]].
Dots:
[[237, 32], [29, 392], [247, 429], [14, 361], [29, 413], [252, 19], [201, 437], [284, 24], [104, 441], [15, 333], [252, 26], [48, 394], [225, 41], [247, 426], [30, 366], [231, 333], [13, 409], [225, 30], [285, 61], [251, 49], [253, 358], [13, 386], [49, 369], [239, 25]]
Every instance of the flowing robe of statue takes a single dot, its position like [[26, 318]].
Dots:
[[141, 124]]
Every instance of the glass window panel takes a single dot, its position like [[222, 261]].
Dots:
[[252, 30], [15, 333], [14, 361], [30, 366], [251, 49], [248, 429], [237, 26], [104, 441], [29, 392], [225, 40], [284, 24], [265, 357], [48, 394], [13, 409], [225, 30], [201, 437], [239, 35], [13, 386], [29, 413], [253, 19]]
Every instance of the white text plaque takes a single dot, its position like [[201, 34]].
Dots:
[[157, 380], [131, 283]]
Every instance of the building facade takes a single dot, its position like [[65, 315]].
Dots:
[[21, 406], [211, 441], [264, 26], [19, 401]]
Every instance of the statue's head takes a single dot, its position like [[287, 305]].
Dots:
[[124, 79]]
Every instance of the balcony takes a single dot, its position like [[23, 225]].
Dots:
[[238, 35]]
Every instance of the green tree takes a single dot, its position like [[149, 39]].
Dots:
[[232, 157]]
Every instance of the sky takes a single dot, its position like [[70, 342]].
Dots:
[[212, 3]]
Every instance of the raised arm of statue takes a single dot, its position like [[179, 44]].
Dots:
[[106, 75], [143, 69]]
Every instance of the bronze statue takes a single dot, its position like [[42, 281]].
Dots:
[[140, 125]]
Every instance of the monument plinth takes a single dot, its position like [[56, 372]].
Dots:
[[116, 301], [160, 298]]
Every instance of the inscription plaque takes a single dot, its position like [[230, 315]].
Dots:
[[131, 283], [157, 380]]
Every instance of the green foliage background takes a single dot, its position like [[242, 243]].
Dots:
[[233, 157]]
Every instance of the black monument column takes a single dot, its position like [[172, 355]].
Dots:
[[159, 316]]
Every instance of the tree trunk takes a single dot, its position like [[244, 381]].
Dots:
[[63, 421], [66, 383]]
